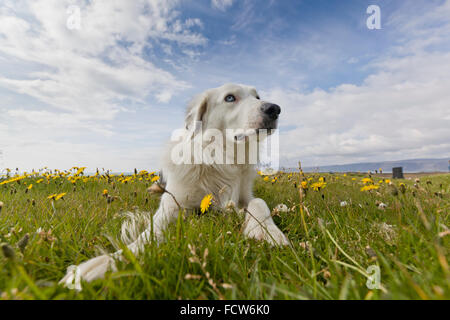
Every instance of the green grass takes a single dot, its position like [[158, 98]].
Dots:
[[328, 258]]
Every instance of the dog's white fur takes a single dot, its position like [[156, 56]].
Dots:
[[187, 184]]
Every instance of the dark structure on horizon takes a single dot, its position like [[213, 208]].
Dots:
[[397, 173]]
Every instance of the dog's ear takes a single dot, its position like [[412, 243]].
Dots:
[[195, 113]]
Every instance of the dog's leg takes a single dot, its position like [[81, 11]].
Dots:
[[97, 267], [259, 224]]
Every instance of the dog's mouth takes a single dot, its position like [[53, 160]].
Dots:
[[241, 137], [259, 133]]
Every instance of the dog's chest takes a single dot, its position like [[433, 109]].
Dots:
[[223, 182]]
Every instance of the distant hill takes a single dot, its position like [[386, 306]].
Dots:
[[412, 165]]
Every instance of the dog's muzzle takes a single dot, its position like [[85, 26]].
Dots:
[[270, 110], [269, 121], [270, 113]]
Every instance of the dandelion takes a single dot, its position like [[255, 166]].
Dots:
[[369, 187], [304, 185], [280, 208], [382, 206], [231, 206], [367, 181], [266, 178], [60, 196], [206, 203], [56, 197], [402, 187], [105, 193], [13, 180], [155, 178], [318, 185], [80, 171]]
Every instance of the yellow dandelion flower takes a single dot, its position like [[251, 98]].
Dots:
[[266, 178], [30, 187], [80, 171], [369, 187], [318, 185], [155, 178], [304, 185], [206, 203], [59, 196], [13, 180]]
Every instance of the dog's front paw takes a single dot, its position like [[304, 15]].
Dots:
[[90, 270], [267, 232], [259, 224]]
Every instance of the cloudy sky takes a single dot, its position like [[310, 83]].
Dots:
[[109, 91]]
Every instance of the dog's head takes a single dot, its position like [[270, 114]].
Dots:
[[232, 106]]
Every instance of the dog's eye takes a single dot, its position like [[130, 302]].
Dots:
[[257, 97], [230, 98]]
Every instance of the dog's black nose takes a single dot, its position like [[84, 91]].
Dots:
[[272, 110]]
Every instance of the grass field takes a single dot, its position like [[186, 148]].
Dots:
[[337, 232]]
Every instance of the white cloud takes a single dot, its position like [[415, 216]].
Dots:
[[79, 97], [58, 84], [87, 70], [221, 4], [400, 111]]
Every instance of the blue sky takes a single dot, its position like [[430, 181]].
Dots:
[[109, 93]]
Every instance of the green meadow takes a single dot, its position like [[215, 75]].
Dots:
[[343, 230]]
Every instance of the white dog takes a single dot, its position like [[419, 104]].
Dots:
[[228, 107]]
